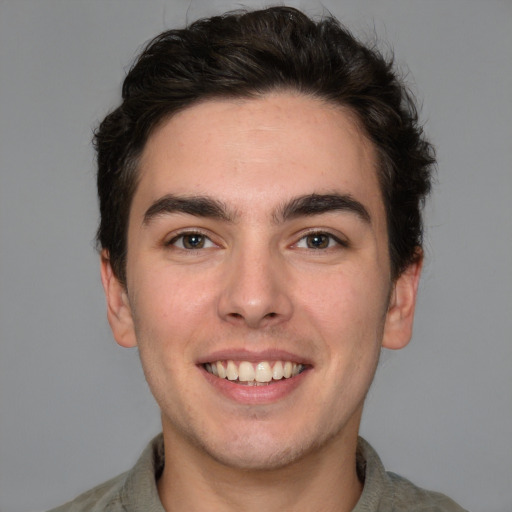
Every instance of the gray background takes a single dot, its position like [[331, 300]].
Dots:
[[75, 408]]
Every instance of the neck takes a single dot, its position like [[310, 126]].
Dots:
[[324, 480]]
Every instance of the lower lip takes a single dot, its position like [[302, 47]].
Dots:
[[263, 394]]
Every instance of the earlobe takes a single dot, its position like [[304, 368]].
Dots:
[[400, 315], [119, 313]]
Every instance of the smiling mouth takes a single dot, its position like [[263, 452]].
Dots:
[[254, 374]]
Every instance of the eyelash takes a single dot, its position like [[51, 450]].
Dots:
[[331, 238], [208, 241], [183, 235]]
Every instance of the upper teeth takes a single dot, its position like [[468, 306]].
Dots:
[[246, 371]]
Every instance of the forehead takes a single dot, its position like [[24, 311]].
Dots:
[[258, 152]]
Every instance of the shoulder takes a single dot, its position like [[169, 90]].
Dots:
[[106, 496], [405, 496], [388, 492], [133, 491]]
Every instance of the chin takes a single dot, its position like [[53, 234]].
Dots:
[[254, 458], [260, 451]]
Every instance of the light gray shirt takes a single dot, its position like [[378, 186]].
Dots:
[[136, 491]]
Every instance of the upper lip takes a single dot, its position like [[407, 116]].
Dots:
[[253, 356]]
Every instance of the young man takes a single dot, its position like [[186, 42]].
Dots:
[[260, 192]]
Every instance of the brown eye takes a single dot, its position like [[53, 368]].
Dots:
[[194, 241], [318, 241], [191, 241]]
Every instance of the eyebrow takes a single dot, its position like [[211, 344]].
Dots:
[[317, 204], [306, 205], [199, 206]]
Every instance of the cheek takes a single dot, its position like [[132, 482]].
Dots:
[[168, 299], [169, 312], [345, 299], [348, 312]]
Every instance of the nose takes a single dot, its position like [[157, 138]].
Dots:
[[255, 290]]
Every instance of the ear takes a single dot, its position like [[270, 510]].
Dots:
[[119, 313], [400, 315]]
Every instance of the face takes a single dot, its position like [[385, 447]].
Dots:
[[258, 278]]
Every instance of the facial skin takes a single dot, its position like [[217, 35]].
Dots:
[[270, 280]]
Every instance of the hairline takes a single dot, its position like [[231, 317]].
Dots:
[[134, 162]]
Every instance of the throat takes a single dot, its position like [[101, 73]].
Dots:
[[310, 483]]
